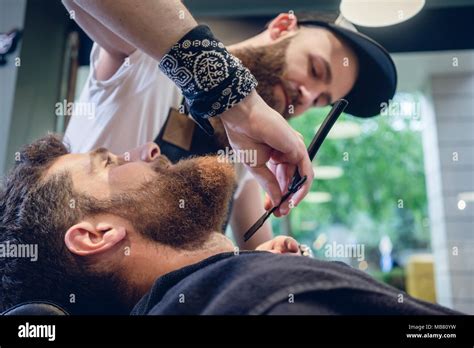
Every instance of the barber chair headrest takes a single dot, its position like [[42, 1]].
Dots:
[[35, 308]]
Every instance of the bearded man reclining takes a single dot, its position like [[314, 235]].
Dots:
[[136, 233]]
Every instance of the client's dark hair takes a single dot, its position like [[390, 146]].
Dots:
[[36, 209]]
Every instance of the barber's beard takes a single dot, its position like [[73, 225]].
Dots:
[[181, 206], [268, 65]]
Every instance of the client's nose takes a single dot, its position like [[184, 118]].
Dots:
[[146, 152]]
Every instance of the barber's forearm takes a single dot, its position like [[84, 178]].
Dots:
[[248, 208], [152, 25], [263, 235]]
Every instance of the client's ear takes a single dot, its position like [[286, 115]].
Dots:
[[86, 238], [282, 25]]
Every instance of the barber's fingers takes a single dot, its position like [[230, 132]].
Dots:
[[268, 182], [305, 169], [253, 125], [285, 176], [267, 203], [299, 159], [277, 171], [281, 245], [292, 246], [300, 135], [288, 147]]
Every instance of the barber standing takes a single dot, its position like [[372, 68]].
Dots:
[[214, 84]]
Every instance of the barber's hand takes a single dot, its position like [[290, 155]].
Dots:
[[280, 245], [252, 125]]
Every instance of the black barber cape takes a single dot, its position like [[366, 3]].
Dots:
[[265, 283]]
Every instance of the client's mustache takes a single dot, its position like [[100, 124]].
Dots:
[[160, 163], [293, 96]]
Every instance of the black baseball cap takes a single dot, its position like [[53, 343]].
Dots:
[[377, 79]]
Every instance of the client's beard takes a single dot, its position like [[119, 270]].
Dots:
[[268, 65], [181, 206]]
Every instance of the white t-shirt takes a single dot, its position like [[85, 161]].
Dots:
[[130, 108]]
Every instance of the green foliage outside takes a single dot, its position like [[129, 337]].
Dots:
[[382, 190]]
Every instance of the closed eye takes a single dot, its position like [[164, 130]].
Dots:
[[314, 73]]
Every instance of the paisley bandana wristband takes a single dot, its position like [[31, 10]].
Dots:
[[211, 79]]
